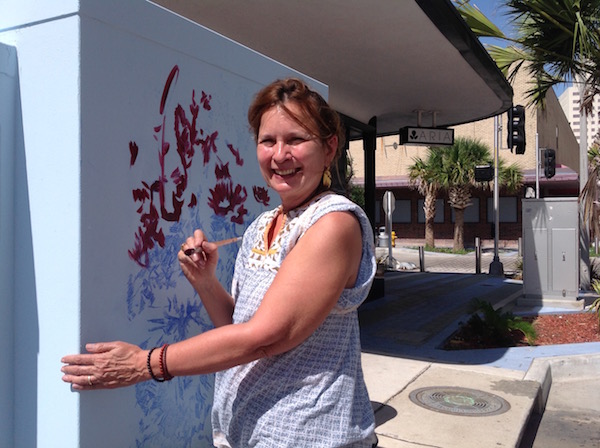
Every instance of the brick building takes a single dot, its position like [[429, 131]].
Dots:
[[393, 160]]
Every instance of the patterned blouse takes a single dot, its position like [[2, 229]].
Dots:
[[313, 395]]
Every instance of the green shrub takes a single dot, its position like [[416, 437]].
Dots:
[[595, 307], [495, 325]]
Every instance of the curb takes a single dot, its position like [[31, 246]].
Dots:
[[545, 371]]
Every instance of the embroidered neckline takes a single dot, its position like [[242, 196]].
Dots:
[[269, 250], [264, 249]]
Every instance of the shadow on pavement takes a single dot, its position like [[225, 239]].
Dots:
[[420, 310]]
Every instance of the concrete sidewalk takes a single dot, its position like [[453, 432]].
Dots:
[[427, 397]]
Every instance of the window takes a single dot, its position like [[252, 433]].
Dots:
[[401, 211], [439, 211], [507, 208]]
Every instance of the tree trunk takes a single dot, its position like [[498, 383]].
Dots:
[[429, 211], [429, 234], [459, 229]]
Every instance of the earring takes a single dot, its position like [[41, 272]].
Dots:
[[327, 178]]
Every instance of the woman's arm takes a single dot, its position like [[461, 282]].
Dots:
[[306, 288]]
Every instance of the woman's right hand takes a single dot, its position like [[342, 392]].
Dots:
[[200, 270], [201, 266]]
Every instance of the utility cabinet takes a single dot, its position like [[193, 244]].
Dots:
[[551, 252]]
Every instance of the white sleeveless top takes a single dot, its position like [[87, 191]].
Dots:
[[313, 395]]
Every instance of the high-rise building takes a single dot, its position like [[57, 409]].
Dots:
[[570, 102]]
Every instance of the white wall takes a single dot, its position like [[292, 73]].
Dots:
[[92, 81], [46, 260], [9, 111]]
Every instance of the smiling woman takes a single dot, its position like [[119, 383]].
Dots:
[[286, 347]]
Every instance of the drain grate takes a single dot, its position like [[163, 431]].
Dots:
[[459, 401]]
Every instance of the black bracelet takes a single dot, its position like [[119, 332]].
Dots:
[[163, 364], [154, 377]]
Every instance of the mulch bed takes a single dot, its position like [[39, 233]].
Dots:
[[551, 329]]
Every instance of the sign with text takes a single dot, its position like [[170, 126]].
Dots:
[[426, 136]]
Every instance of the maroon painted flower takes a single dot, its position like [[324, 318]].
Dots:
[[205, 100], [226, 200], [222, 171], [261, 195], [208, 145], [239, 218], [147, 235], [164, 197]]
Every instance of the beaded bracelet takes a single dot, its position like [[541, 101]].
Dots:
[[154, 377], [164, 372]]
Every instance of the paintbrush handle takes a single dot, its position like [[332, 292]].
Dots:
[[227, 241], [219, 243]]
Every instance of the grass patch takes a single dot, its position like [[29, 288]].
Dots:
[[447, 250]]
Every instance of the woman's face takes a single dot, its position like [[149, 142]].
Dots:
[[291, 160]]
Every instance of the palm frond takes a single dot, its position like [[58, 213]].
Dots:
[[556, 40], [478, 22]]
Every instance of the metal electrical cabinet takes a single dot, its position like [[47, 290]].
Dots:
[[551, 252]]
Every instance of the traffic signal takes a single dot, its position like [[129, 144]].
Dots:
[[516, 129], [484, 173], [549, 163]]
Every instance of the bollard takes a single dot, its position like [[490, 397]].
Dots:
[[421, 259], [520, 247], [477, 255]]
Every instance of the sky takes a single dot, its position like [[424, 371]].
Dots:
[[495, 11]]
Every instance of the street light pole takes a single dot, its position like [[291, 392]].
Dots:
[[496, 267]]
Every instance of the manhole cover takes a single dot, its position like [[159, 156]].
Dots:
[[459, 401]]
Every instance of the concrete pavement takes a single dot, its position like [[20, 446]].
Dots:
[[424, 396]]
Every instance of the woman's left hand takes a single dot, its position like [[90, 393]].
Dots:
[[107, 365]]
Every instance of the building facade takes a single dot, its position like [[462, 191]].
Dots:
[[570, 103], [546, 127]]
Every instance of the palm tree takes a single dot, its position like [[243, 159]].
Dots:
[[589, 193], [557, 41], [423, 176], [457, 175]]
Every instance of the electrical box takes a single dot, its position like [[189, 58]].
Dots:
[[551, 253]]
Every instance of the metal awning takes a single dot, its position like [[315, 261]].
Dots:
[[380, 58]]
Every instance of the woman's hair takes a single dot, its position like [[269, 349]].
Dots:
[[317, 117]]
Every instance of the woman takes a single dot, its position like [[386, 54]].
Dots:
[[286, 344]]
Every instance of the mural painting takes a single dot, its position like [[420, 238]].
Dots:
[[170, 205]]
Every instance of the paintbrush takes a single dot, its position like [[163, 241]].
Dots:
[[225, 242]]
